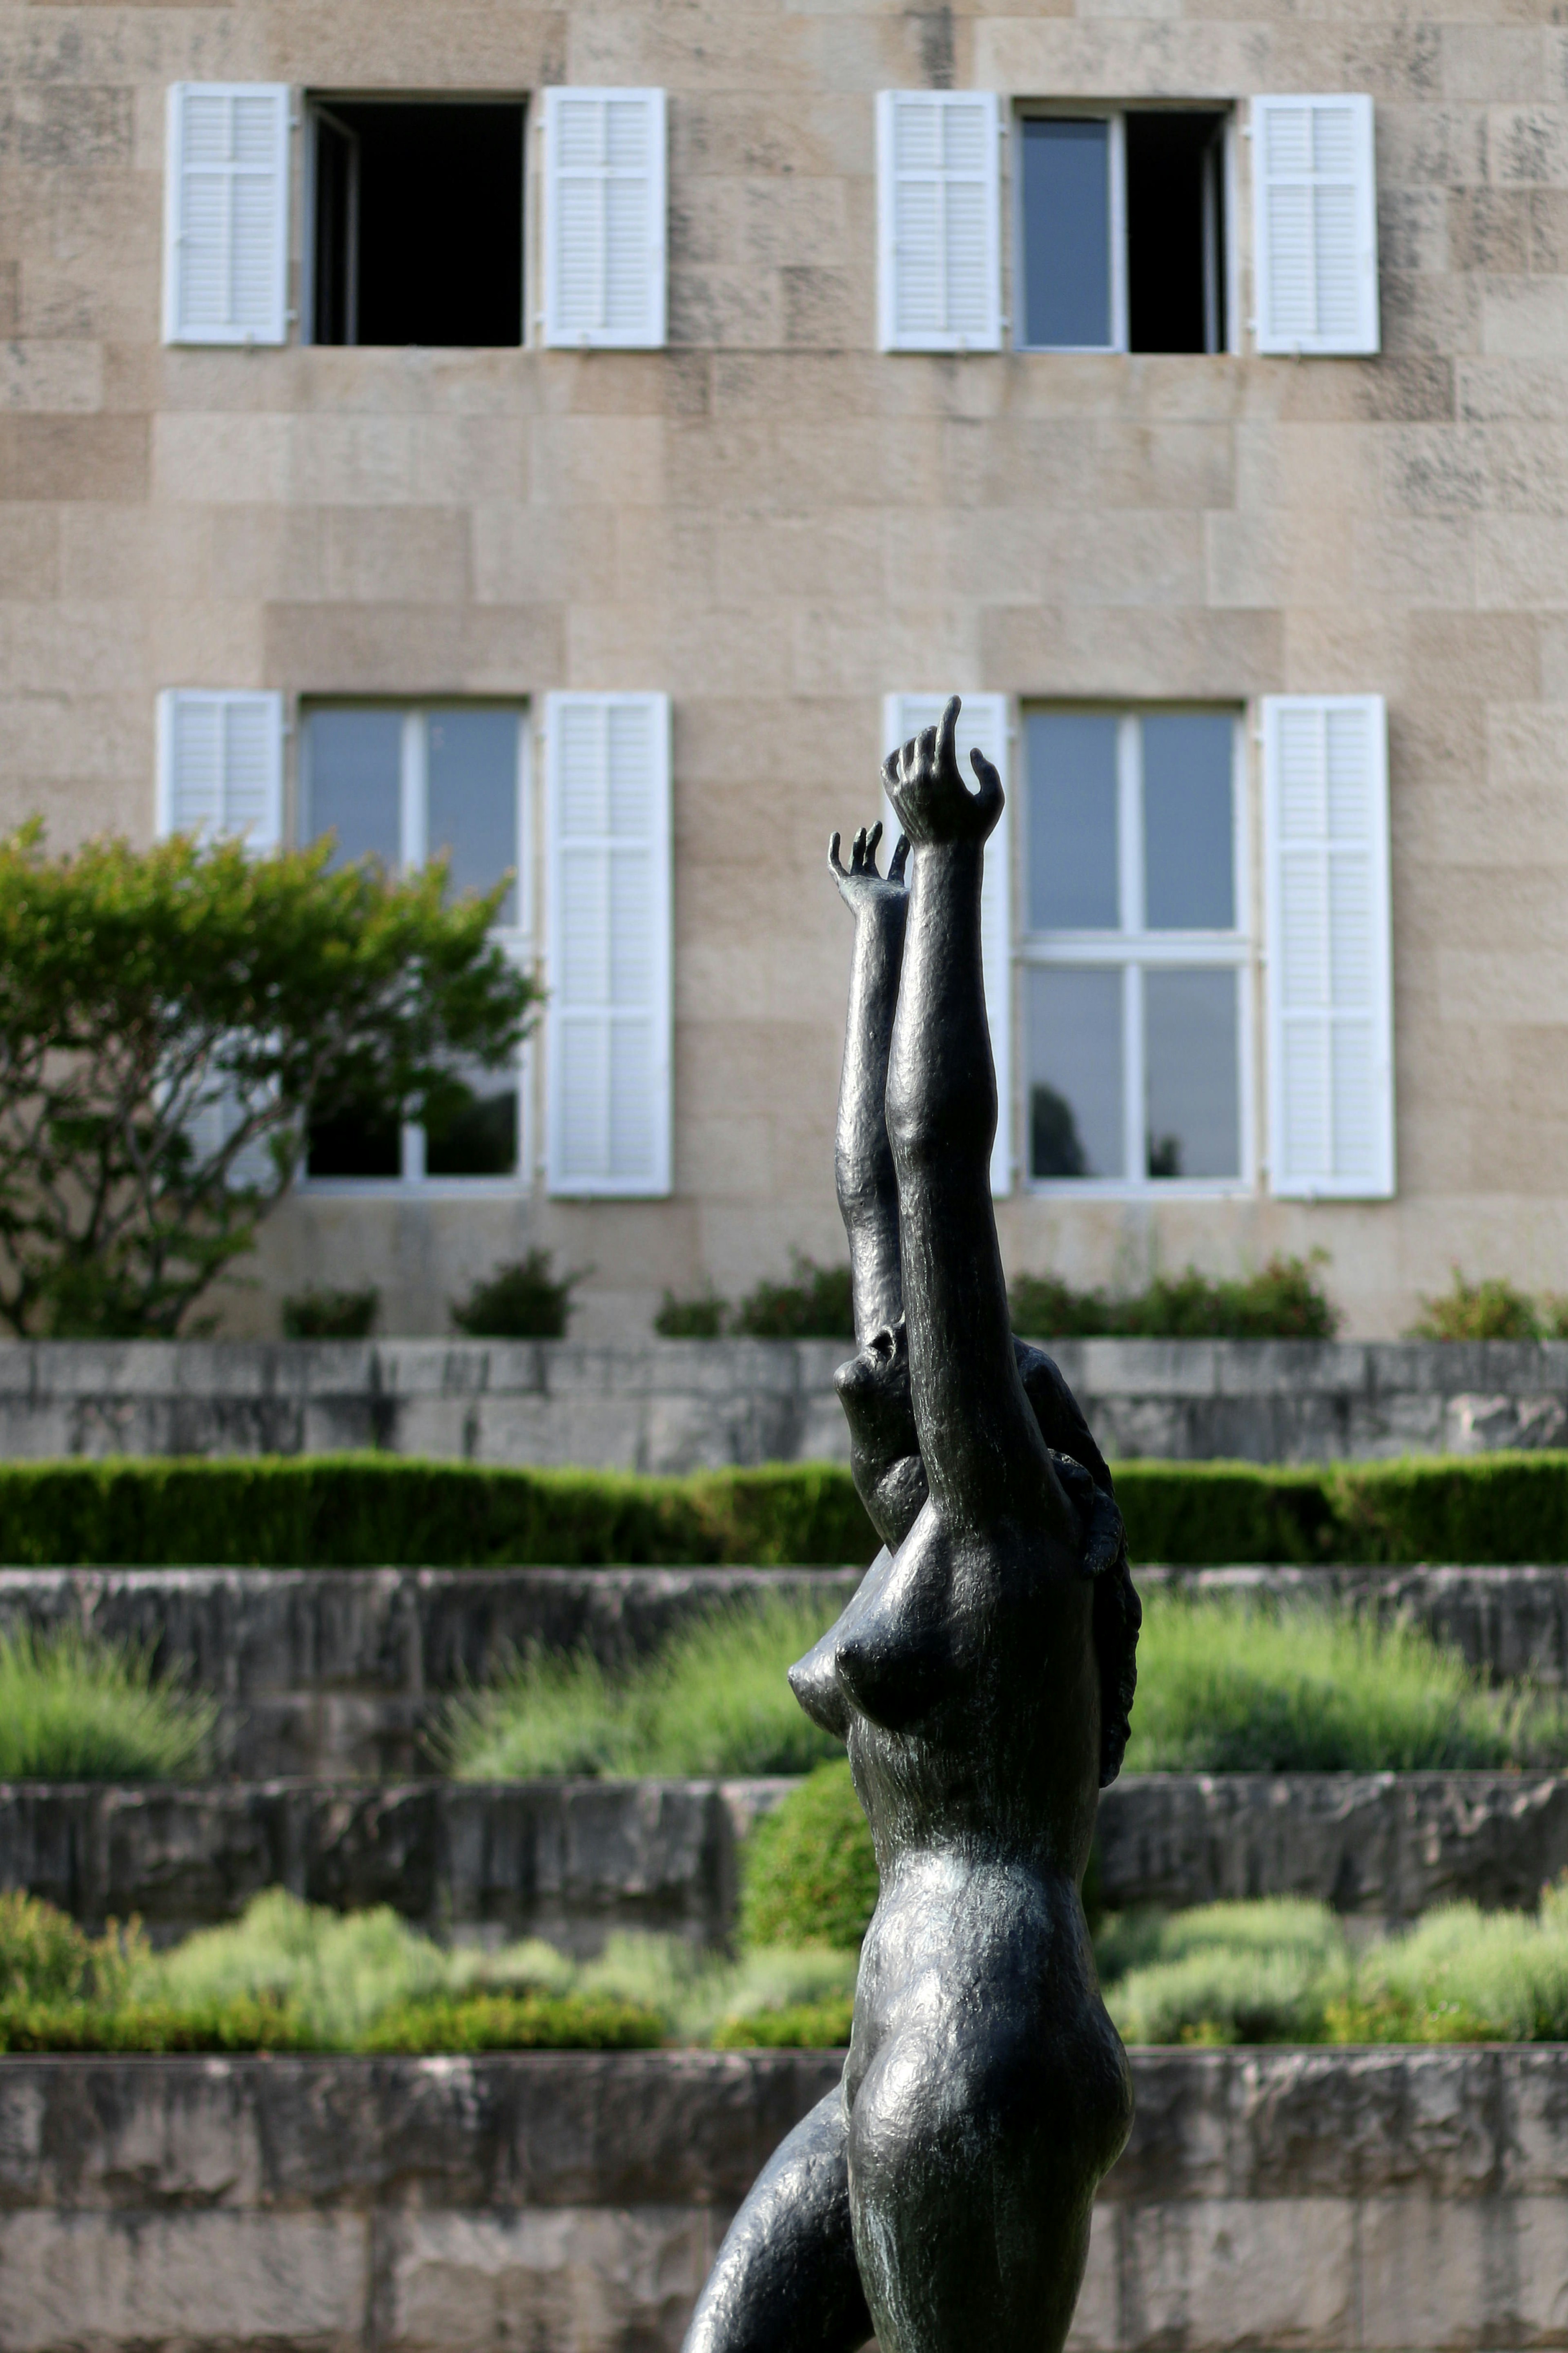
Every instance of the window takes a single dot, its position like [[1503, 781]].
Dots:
[[1135, 953], [417, 233], [403, 787], [225, 213], [220, 766], [604, 217], [1314, 225], [1122, 235]]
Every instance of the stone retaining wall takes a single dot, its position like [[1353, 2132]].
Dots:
[[571, 2202], [680, 1405], [572, 1860]]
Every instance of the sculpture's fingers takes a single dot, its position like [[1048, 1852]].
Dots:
[[896, 864], [926, 750], [892, 773], [833, 858], [872, 838], [990, 780], [947, 745], [858, 857]]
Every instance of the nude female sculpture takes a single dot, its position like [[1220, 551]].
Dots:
[[982, 1676]]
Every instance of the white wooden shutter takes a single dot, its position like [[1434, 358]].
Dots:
[[939, 276], [604, 217], [983, 726], [609, 951], [220, 767], [1314, 216], [225, 213], [1331, 1021]]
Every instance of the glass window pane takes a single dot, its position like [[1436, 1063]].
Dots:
[[355, 1143], [473, 799], [355, 770], [1193, 1095], [476, 1134], [1075, 1074], [1189, 881], [1066, 233], [1072, 822]]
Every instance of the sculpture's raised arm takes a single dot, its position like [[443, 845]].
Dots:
[[984, 1454], [863, 1159]]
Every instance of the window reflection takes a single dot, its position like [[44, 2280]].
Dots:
[[1066, 233], [355, 784], [1075, 1072], [1193, 1120], [1189, 884], [473, 799], [1072, 822]]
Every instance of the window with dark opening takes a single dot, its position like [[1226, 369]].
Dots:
[[1123, 232], [417, 233]]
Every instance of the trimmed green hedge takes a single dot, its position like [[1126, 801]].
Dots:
[[361, 1510]]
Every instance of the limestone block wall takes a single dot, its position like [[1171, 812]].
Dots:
[[777, 524], [1322, 2199]]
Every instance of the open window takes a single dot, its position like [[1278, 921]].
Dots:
[[416, 227], [403, 785], [1122, 235]]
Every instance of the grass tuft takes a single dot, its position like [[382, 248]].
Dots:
[[73, 1709]]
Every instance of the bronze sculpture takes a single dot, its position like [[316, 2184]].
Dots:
[[982, 1676]]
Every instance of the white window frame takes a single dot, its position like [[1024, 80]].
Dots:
[[888, 336], [1382, 1184], [516, 940], [275, 330], [1366, 340], [656, 334], [1135, 950], [269, 834], [1227, 271], [660, 1183]]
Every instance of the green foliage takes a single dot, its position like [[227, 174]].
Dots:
[[1283, 1302], [364, 1511], [808, 2026], [149, 2027], [75, 1709], [1232, 1687], [1492, 1310], [715, 1700], [367, 1511], [814, 1306], [332, 1314], [523, 1300], [1463, 1976], [700, 1318], [809, 1874], [44, 1956], [171, 1019], [507, 2021]]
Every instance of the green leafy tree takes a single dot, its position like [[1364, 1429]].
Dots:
[[172, 1019]]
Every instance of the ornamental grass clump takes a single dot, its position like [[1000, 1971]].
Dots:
[[715, 1700], [73, 1709]]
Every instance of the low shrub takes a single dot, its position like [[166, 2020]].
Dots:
[[715, 1700], [152, 2026], [808, 2026], [1490, 1310], [354, 1511], [505, 2021], [814, 1306], [73, 1709], [1284, 1300], [46, 1957], [809, 1874], [701, 1317], [523, 1300], [331, 1314]]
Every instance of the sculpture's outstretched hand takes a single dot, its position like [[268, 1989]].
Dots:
[[926, 787], [861, 886]]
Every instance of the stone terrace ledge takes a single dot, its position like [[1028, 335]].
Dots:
[[682, 1405], [1318, 2199]]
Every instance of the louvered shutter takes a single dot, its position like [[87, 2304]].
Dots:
[[1330, 1024], [225, 213], [220, 767], [1314, 225], [939, 278], [608, 1019], [983, 725], [604, 217]]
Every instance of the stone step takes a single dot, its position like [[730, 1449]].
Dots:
[[1405, 2200], [340, 1671], [572, 1860]]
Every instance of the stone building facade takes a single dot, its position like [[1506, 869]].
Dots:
[[768, 393]]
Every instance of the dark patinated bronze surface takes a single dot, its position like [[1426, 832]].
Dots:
[[981, 1676]]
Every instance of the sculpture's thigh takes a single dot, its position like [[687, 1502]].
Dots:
[[970, 2217], [785, 2280]]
